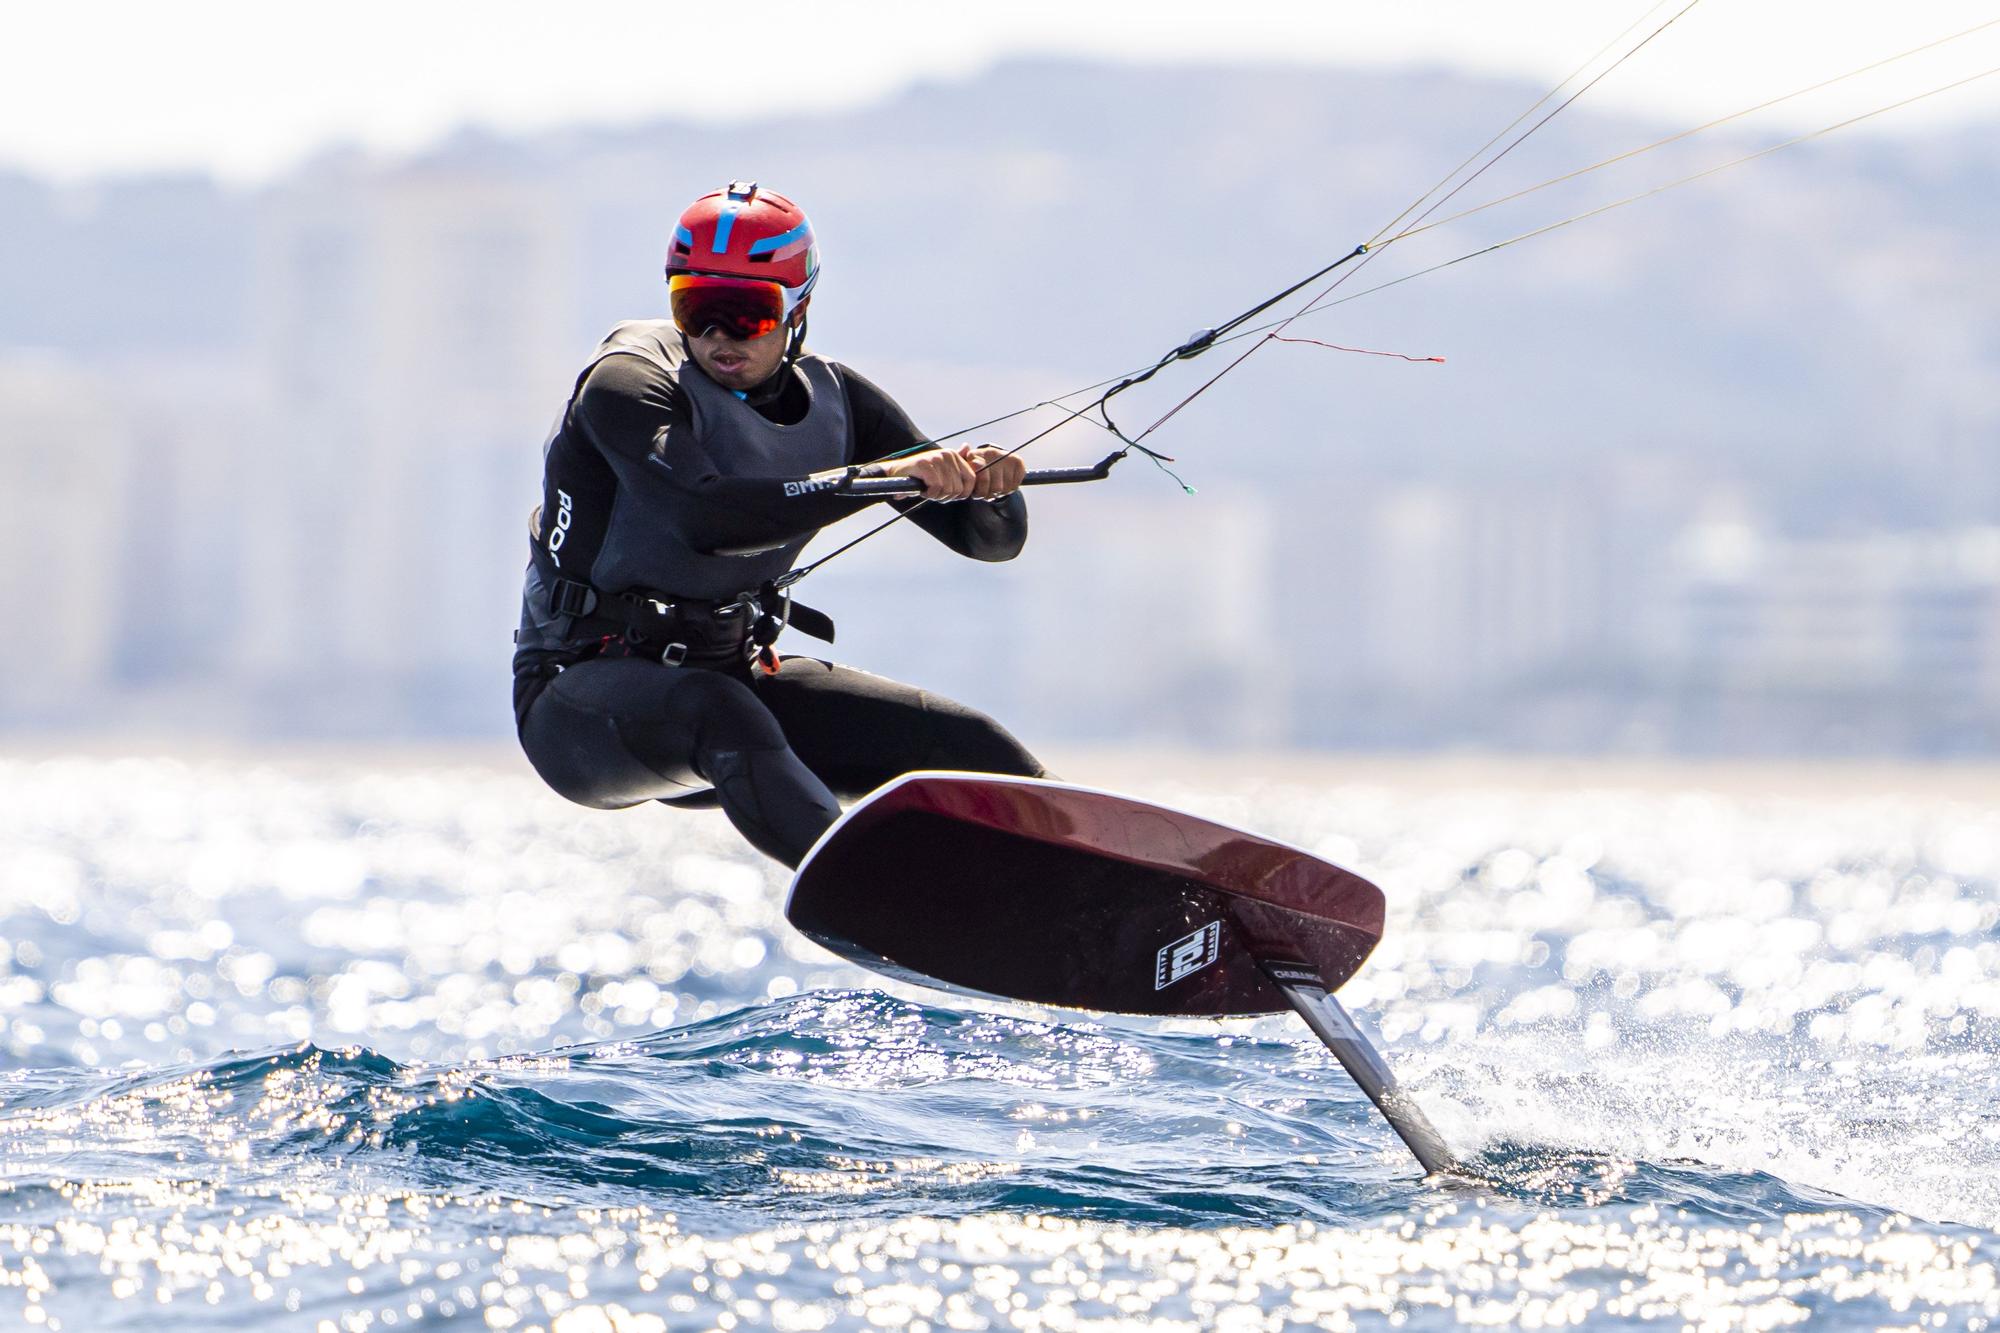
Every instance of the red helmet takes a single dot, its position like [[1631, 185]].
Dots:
[[746, 231]]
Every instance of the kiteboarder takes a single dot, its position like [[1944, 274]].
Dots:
[[694, 459]]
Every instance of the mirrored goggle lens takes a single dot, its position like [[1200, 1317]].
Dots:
[[740, 307]]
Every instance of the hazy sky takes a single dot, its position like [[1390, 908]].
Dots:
[[246, 88]]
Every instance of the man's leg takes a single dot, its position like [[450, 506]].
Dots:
[[856, 731], [615, 732]]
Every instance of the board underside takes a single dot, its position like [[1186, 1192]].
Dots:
[[1060, 895]]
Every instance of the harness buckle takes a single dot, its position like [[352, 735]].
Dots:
[[673, 654], [569, 597]]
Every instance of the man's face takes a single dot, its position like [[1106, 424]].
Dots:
[[739, 363]]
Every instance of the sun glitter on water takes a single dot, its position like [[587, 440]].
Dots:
[[351, 1050]]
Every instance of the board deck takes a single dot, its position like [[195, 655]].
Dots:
[[1035, 890]]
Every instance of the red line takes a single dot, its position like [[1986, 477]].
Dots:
[[1365, 351]]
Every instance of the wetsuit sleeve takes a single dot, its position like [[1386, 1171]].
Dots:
[[983, 531], [638, 419]]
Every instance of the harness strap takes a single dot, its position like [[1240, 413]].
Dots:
[[649, 618], [776, 601]]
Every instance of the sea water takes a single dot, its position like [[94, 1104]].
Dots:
[[328, 1048]]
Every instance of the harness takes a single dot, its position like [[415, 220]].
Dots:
[[687, 631]]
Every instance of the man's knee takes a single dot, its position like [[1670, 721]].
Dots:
[[967, 739]]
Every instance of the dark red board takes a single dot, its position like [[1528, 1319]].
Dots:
[[1063, 895]]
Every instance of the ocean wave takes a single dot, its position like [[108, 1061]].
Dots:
[[834, 1103]]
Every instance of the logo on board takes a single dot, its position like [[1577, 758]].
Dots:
[[1187, 955]]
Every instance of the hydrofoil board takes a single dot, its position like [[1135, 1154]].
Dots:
[[1024, 889]]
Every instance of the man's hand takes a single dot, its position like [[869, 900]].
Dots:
[[969, 472], [946, 474], [1000, 472]]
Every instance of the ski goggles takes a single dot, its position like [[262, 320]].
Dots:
[[743, 308]]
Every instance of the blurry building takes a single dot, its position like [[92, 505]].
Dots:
[[1160, 619], [417, 333], [1429, 613], [1134, 618], [1885, 641], [67, 454], [125, 544], [196, 425]]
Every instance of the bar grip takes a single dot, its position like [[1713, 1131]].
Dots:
[[873, 486], [1050, 476]]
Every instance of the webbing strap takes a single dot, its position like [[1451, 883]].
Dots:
[[649, 617]]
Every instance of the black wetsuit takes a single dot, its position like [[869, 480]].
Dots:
[[651, 469]]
